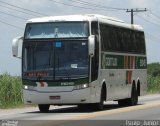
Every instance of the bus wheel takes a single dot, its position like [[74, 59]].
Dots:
[[130, 101], [44, 108], [134, 97], [100, 105]]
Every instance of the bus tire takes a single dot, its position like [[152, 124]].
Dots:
[[43, 108], [99, 106], [130, 101], [134, 97]]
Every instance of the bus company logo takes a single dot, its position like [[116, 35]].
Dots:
[[111, 61], [108, 61], [42, 84]]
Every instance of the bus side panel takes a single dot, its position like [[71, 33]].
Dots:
[[115, 80]]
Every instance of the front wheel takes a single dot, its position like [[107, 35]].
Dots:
[[100, 105], [44, 108]]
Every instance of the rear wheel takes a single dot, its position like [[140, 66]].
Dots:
[[130, 101], [44, 108], [134, 97]]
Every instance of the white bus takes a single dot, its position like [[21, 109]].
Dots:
[[82, 60]]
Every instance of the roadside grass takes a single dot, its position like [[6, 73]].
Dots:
[[153, 84], [10, 91]]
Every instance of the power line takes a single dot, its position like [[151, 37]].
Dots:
[[154, 14], [152, 18], [96, 5], [153, 36], [18, 10], [148, 20], [12, 15], [40, 14], [76, 6], [20, 28], [72, 5]]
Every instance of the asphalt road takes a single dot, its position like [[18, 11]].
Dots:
[[148, 108]]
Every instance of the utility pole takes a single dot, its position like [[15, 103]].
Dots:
[[135, 10]]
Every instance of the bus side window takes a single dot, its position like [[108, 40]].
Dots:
[[138, 42], [130, 46], [117, 44], [133, 40], [112, 38], [142, 41], [94, 28], [121, 40]]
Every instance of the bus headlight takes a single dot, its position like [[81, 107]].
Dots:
[[81, 86], [27, 87], [84, 85]]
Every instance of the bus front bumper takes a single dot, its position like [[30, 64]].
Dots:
[[59, 98]]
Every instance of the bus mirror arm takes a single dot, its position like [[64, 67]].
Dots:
[[15, 46], [91, 45]]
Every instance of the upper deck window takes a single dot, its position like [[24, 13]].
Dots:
[[57, 30]]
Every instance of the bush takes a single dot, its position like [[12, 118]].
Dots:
[[153, 78], [153, 69], [153, 84], [10, 91]]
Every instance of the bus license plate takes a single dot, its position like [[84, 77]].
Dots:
[[54, 97]]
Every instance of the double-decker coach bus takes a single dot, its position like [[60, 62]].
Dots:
[[82, 60]]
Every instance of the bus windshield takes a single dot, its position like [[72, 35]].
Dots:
[[55, 60], [57, 30]]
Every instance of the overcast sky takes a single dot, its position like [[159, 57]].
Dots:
[[13, 16]]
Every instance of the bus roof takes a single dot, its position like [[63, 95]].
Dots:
[[86, 17]]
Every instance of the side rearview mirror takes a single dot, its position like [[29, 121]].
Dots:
[[91, 45], [17, 47]]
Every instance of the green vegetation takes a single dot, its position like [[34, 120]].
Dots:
[[153, 78], [10, 91]]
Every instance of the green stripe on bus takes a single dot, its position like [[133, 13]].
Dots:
[[123, 62]]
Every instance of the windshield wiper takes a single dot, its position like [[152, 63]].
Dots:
[[67, 74], [65, 70]]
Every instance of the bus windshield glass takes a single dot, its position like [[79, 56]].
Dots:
[[57, 30], [55, 60]]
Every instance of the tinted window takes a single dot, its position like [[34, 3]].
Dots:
[[117, 39]]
